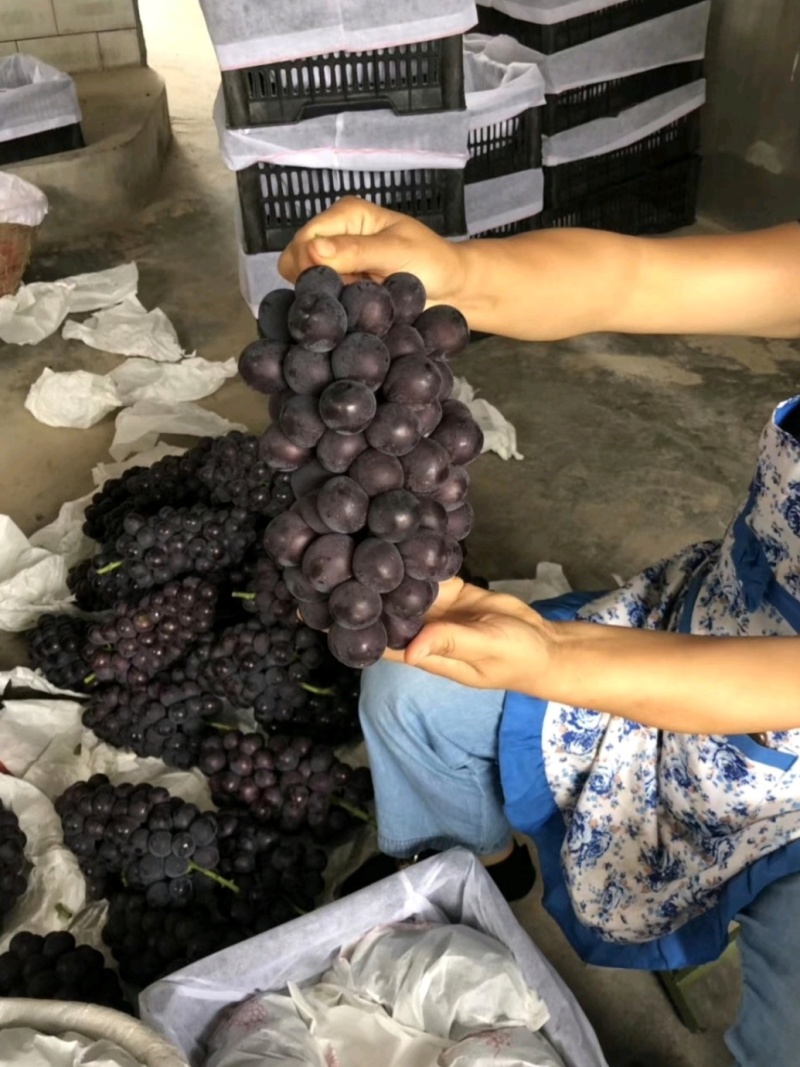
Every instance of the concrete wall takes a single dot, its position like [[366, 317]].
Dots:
[[74, 35]]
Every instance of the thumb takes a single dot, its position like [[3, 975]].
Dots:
[[380, 253], [440, 639]]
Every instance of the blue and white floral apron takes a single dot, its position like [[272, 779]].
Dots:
[[650, 842]]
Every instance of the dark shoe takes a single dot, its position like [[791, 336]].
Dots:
[[515, 876]]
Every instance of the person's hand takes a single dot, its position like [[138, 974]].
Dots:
[[482, 639], [361, 240]]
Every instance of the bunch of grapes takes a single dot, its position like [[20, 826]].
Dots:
[[166, 720], [99, 583], [13, 864], [58, 647], [54, 967], [145, 637], [234, 473], [360, 395], [267, 595], [290, 783], [149, 943]]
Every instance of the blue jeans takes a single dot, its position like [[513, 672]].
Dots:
[[433, 751]]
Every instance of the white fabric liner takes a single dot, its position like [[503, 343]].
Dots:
[[34, 97], [502, 80], [630, 126], [247, 35], [21, 204], [489, 204], [548, 12], [452, 887]]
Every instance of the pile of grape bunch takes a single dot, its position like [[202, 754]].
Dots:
[[54, 967], [13, 864], [234, 473], [58, 647], [360, 387]]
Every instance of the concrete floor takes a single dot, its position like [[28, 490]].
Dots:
[[633, 447]]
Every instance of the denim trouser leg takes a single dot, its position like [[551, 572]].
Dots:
[[433, 752]]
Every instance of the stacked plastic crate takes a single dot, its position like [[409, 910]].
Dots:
[[436, 126], [621, 127]]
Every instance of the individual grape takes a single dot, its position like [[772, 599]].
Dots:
[[460, 521], [57, 646], [459, 433], [377, 565], [404, 340], [401, 632], [300, 422], [279, 452], [347, 407], [306, 372], [234, 473], [428, 417], [300, 587], [408, 296], [319, 280], [309, 479], [317, 321], [432, 516], [342, 505], [317, 615], [354, 606], [429, 556], [272, 315], [394, 429], [55, 967], [261, 366], [412, 380], [410, 599], [452, 493], [336, 451], [328, 561], [361, 357], [394, 516], [368, 307], [448, 380], [376, 472], [14, 867], [426, 467], [306, 508], [357, 648], [444, 331], [286, 539]]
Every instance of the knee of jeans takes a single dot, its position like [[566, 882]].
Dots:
[[391, 696]]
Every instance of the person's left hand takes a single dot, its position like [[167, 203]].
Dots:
[[484, 640]]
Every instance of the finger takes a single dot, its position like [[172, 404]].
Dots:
[[447, 640], [453, 669], [394, 656]]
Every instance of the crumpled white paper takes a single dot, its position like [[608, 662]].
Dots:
[[140, 426], [26, 1047], [102, 288], [550, 581], [32, 580], [499, 435], [75, 398], [129, 329], [21, 203], [192, 379]]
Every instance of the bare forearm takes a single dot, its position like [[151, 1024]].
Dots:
[[689, 684], [559, 283]]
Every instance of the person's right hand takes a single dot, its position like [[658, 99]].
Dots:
[[361, 240]]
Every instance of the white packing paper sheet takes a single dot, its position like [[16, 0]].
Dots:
[[140, 426], [191, 379], [26, 1047], [32, 580], [499, 435], [34, 97], [75, 398], [130, 330]]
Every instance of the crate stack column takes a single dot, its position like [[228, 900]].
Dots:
[[621, 127]]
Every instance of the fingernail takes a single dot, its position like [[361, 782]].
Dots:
[[325, 248]]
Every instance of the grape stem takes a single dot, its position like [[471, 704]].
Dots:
[[214, 877], [221, 726], [351, 809], [90, 679], [329, 692], [243, 596], [112, 567]]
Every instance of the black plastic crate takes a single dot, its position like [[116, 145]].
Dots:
[[657, 202], [411, 79], [46, 143], [569, 183], [505, 147], [585, 103], [558, 36], [276, 201]]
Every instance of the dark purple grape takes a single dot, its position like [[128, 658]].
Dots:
[[448, 380], [279, 452], [273, 313], [458, 432], [357, 648], [378, 565], [306, 508], [452, 493], [403, 341], [319, 280], [307, 373], [342, 505], [394, 516], [329, 561], [316, 614], [354, 606], [300, 587], [309, 478], [410, 599], [287, 539], [429, 556], [275, 403], [347, 407], [261, 366], [428, 417], [369, 308], [317, 321], [300, 422], [361, 357], [400, 632], [376, 472], [432, 516], [444, 331], [426, 467], [393, 430], [408, 296], [460, 521], [413, 380], [336, 451]]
